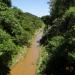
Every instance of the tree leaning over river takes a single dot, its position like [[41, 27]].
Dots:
[[59, 40]]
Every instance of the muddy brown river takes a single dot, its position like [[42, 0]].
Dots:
[[27, 66]]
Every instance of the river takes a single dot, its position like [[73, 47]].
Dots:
[[27, 66]]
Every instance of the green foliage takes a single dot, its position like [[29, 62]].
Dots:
[[46, 19], [70, 12], [3, 7], [7, 2], [19, 25], [60, 6], [59, 40], [4, 61], [28, 21], [56, 41], [11, 24], [6, 43], [42, 61], [16, 30]]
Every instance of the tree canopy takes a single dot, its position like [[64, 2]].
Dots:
[[7, 2], [59, 40]]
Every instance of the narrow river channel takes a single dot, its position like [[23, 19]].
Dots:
[[27, 66]]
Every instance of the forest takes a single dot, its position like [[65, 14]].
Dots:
[[16, 31], [57, 44], [59, 39]]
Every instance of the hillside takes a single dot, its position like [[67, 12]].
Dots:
[[16, 31]]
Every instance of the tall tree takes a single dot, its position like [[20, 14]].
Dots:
[[58, 7], [7, 2], [59, 40]]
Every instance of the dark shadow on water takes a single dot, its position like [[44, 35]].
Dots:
[[4, 60]]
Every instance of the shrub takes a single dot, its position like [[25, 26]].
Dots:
[[3, 6], [12, 26], [60, 44], [7, 2], [6, 43]]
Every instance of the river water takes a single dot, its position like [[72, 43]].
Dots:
[[27, 66]]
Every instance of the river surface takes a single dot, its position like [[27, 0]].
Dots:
[[27, 66]]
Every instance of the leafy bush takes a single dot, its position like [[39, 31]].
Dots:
[[13, 27], [6, 43], [7, 50], [60, 45], [28, 21], [21, 26], [16, 29], [7, 2], [70, 11], [3, 7]]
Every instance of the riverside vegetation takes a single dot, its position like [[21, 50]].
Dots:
[[57, 56], [59, 39], [16, 31]]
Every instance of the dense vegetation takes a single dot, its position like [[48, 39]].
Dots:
[[16, 29], [59, 39], [7, 2]]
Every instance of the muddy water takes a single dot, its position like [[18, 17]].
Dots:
[[27, 66]]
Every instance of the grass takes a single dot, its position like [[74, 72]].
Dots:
[[42, 61]]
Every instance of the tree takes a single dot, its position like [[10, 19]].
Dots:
[[46, 19], [60, 39], [7, 2], [58, 7]]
